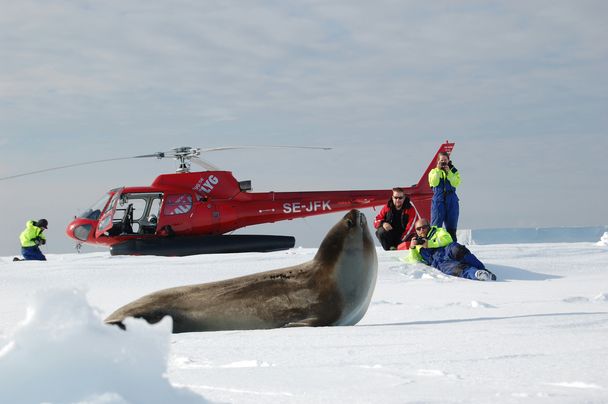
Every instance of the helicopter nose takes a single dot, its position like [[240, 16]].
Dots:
[[78, 230], [82, 232]]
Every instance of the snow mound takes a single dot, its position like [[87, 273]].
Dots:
[[603, 240], [420, 271], [63, 352]]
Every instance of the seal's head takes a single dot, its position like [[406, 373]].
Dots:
[[350, 232]]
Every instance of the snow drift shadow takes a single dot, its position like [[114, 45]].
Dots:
[[493, 318], [503, 273], [506, 273]]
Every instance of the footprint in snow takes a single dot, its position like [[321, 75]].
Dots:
[[247, 364], [602, 297], [577, 385], [436, 373], [184, 362], [475, 304], [575, 299], [386, 302]]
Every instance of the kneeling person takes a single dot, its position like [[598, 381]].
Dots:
[[434, 246], [31, 238], [394, 222]]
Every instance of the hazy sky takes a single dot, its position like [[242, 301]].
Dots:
[[520, 86]]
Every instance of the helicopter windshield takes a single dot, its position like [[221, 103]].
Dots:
[[94, 212]]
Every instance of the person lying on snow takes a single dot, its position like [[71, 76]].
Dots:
[[434, 246]]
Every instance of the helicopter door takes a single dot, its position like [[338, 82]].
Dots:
[[105, 221]]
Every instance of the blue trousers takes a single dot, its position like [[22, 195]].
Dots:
[[453, 259], [445, 211], [32, 253]]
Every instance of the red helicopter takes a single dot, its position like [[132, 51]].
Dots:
[[188, 213]]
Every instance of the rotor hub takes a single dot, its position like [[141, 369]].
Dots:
[[183, 155]]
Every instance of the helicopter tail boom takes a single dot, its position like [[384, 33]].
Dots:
[[278, 206]]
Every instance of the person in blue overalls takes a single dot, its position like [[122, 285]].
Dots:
[[444, 206]]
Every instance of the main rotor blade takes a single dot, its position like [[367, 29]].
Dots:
[[263, 147], [205, 164], [160, 155], [73, 165]]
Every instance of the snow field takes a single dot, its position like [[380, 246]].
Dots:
[[538, 334]]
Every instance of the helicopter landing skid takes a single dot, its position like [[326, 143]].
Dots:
[[181, 246]]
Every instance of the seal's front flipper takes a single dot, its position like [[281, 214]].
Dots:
[[307, 322], [120, 324]]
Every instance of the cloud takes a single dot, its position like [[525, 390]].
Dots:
[[101, 79], [313, 56]]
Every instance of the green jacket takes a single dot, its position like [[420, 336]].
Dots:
[[436, 175], [437, 237], [32, 235]]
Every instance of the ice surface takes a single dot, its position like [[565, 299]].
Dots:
[[538, 334], [532, 235]]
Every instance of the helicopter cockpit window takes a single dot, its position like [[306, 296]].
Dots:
[[94, 212], [155, 207], [177, 204], [132, 213], [139, 206]]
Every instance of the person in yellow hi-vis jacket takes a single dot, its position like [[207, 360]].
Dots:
[[434, 246], [444, 206], [31, 238]]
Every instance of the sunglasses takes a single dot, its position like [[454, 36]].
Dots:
[[397, 197], [426, 226]]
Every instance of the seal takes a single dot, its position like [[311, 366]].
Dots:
[[333, 289]]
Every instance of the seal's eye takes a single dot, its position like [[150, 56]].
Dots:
[[349, 223]]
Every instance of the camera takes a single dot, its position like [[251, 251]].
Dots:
[[419, 240]]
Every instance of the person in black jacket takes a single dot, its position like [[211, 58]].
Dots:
[[394, 223]]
